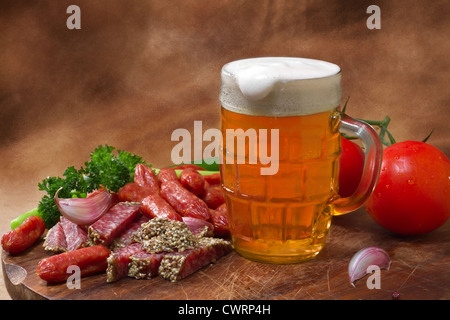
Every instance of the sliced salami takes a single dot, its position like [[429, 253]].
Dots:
[[124, 239], [113, 223], [118, 262], [76, 236], [145, 265], [178, 265], [55, 240]]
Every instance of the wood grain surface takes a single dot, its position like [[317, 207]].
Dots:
[[134, 73], [419, 270]]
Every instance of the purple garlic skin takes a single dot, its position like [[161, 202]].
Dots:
[[357, 268]]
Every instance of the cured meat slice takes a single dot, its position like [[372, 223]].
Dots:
[[124, 239], [76, 236], [183, 201], [113, 223], [199, 228], [90, 260], [118, 262], [55, 240], [178, 265], [145, 265], [165, 235], [155, 206]]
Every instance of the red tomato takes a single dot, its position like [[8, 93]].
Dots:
[[412, 195], [351, 167]]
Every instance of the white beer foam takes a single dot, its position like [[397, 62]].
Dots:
[[280, 86]]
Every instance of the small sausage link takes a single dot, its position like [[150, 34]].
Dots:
[[183, 201], [213, 197], [154, 206], [167, 174], [24, 236], [90, 260], [146, 178], [193, 181]]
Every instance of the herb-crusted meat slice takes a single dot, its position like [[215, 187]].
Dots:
[[125, 238], [178, 265], [144, 265], [165, 235], [118, 262], [113, 223], [55, 240]]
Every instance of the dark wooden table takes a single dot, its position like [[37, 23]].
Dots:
[[419, 270]]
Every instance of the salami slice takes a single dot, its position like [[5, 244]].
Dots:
[[145, 265], [76, 236], [118, 262], [113, 223], [124, 239], [178, 265], [55, 240]]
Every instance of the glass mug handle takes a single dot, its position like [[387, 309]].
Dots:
[[373, 151]]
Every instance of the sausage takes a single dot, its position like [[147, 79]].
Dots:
[[220, 221], [24, 236], [193, 181], [90, 260], [155, 206], [167, 174], [146, 178], [213, 179], [190, 166], [213, 197], [132, 192], [183, 201]]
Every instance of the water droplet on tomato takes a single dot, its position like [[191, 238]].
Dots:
[[410, 181], [396, 157], [388, 186]]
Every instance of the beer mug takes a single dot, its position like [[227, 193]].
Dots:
[[281, 130]]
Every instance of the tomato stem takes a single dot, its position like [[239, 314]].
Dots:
[[383, 125]]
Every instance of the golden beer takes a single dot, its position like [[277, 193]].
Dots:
[[285, 216], [282, 217]]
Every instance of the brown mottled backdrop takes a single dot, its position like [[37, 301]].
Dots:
[[139, 69]]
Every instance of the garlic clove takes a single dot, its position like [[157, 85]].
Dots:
[[364, 258], [84, 211]]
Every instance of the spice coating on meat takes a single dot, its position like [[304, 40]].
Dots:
[[161, 234], [176, 266]]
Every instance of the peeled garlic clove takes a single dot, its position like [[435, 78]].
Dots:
[[84, 211], [364, 258]]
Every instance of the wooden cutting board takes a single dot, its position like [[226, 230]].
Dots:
[[420, 270]]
